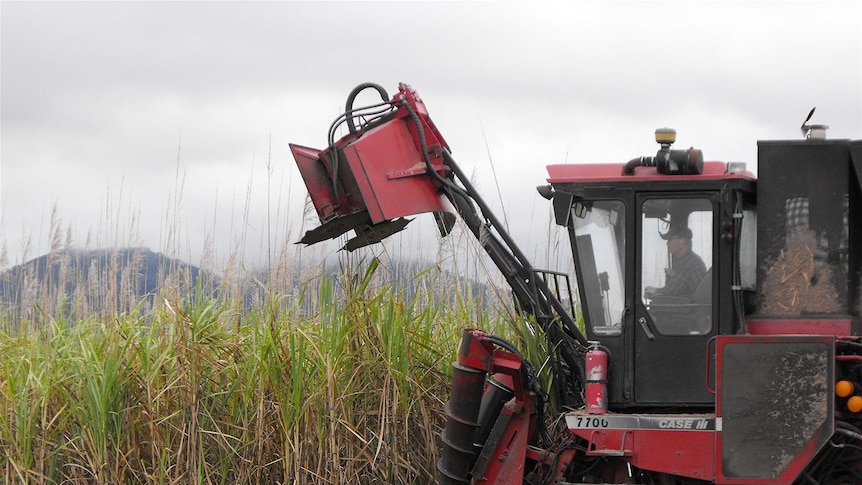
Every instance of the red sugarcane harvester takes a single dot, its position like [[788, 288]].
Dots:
[[722, 312]]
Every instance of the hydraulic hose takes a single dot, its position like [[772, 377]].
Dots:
[[348, 108], [629, 167]]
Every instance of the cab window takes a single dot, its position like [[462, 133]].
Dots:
[[600, 238], [676, 256]]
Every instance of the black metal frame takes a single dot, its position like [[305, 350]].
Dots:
[[669, 375], [532, 293]]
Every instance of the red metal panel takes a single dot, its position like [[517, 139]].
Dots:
[[682, 445], [683, 453], [379, 161], [804, 326], [507, 467], [319, 183], [373, 177]]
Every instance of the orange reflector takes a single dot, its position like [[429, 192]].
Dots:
[[854, 404], [843, 388]]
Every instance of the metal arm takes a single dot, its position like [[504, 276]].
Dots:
[[506, 255], [360, 181]]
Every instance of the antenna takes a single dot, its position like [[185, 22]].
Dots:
[[810, 114], [813, 132], [805, 126]]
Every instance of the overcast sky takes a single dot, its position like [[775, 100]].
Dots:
[[144, 121]]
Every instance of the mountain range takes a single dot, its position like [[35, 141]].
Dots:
[[78, 284], [84, 282]]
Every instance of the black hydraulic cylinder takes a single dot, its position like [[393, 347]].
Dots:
[[493, 401]]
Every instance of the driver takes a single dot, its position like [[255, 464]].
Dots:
[[687, 268]]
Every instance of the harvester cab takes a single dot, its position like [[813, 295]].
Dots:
[[722, 311], [658, 244]]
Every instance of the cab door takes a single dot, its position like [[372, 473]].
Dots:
[[675, 314]]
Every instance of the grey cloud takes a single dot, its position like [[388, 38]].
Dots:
[[94, 92]]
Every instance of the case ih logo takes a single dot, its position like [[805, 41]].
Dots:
[[684, 423]]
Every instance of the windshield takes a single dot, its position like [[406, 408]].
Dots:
[[600, 239]]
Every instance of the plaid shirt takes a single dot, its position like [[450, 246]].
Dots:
[[686, 274]]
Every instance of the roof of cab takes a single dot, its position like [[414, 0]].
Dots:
[[612, 172]]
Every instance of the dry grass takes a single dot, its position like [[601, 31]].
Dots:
[[351, 393], [272, 376], [800, 281]]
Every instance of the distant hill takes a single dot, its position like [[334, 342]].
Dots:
[[79, 283]]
